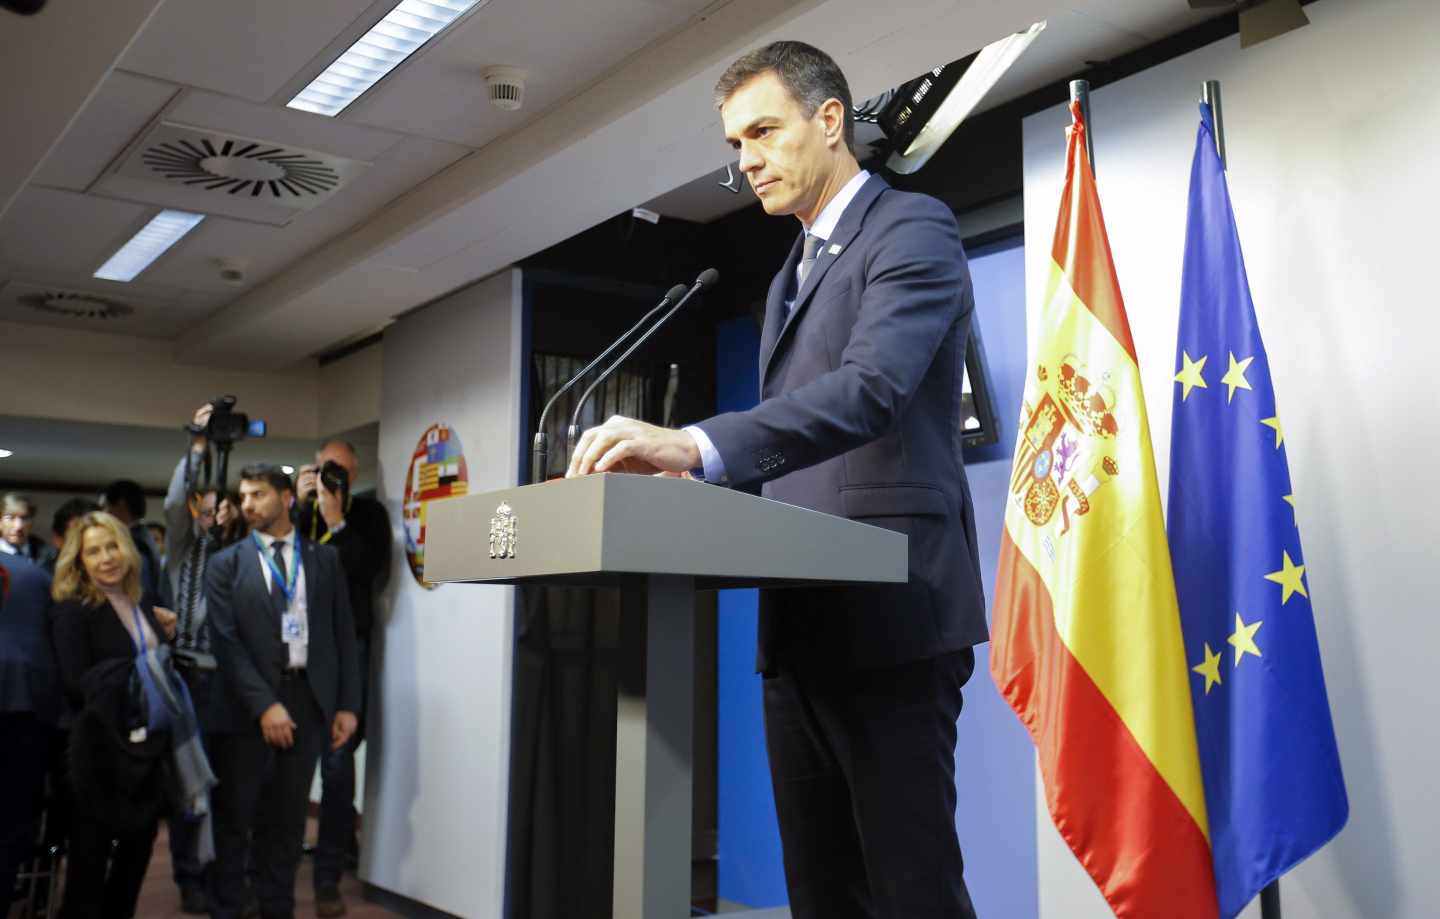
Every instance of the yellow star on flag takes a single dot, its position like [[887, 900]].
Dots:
[[1290, 500], [1274, 422], [1235, 376], [1244, 638], [1190, 376], [1209, 668], [1291, 577]]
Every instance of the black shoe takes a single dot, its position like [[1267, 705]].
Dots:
[[194, 901], [328, 903]]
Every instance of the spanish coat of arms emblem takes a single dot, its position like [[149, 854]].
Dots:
[[503, 532]]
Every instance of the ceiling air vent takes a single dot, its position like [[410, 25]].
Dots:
[[230, 168], [73, 305]]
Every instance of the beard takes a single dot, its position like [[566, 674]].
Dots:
[[262, 522]]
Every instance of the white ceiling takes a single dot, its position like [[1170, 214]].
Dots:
[[616, 113]]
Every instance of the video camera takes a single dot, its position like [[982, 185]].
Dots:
[[227, 426]]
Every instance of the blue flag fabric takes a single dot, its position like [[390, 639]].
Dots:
[[1273, 785]]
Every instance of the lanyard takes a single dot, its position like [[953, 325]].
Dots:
[[139, 637], [287, 586]]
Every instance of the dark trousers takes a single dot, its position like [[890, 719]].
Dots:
[[26, 741], [863, 765], [183, 833], [264, 791], [336, 840], [102, 882]]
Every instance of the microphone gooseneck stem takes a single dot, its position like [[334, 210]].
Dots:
[[540, 448], [707, 279]]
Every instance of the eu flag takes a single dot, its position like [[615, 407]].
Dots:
[[1273, 786]]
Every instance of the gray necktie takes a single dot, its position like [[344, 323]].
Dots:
[[807, 259], [277, 589]]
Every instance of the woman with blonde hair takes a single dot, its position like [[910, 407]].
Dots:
[[102, 626]]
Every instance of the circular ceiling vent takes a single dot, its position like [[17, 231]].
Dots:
[[242, 168], [75, 305]]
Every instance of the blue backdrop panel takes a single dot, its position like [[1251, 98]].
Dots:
[[994, 763], [749, 870]]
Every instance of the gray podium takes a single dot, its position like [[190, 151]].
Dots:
[[659, 541]]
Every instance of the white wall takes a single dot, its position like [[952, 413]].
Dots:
[[1331, 135], [349, 390], [79, 375], [437, 783]]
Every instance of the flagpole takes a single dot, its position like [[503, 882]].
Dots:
[[1210, 95], [1270, 900], [1080, 92]]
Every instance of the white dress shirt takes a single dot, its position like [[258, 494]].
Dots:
[[299, 651], [823, 227]]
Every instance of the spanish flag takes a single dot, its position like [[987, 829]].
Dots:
[[1087, 645]]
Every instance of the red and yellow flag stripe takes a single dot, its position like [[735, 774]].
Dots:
[[1087, 643]]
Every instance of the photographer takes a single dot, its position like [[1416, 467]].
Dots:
[[359, 529], [197, 528]]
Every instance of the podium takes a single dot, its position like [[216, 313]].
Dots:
[[659, 540]]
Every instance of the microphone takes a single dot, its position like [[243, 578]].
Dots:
[[707, 279], [540, 450]]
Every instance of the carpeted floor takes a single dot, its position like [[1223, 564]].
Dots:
[[159, 899]]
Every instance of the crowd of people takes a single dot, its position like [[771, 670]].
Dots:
[[193, 670]]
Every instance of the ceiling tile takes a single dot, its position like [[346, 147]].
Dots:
[[57, 305], [249, 50], [269, 249], [119, 111], [281, 125], [65, 232], [442, 94]]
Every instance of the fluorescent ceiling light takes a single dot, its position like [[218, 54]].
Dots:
[[400, 34], [148, 245], [5, 453]]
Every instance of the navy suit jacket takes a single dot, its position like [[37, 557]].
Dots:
[[860, 417], [245, 636]]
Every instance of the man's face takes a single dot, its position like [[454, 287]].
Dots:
[[785, 155], [15, 523], [205, 516], [339, 453], [261, 504]]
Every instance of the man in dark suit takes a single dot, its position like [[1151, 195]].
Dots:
[[284, 647], [861, 361]]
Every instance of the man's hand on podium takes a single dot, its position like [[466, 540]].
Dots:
[[626, 445]]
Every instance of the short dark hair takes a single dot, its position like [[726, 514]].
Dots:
[[127, 492], [12, 498], [808, 74], [73, 509], [269, 473]]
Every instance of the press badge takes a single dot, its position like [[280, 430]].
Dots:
[[294, 629]]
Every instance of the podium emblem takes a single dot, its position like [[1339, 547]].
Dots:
[[502, 532]]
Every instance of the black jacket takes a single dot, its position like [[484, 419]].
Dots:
[[364, 547], [245, 636], [118, 783]]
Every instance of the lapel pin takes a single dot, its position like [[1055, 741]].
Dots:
[[835, 249]]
